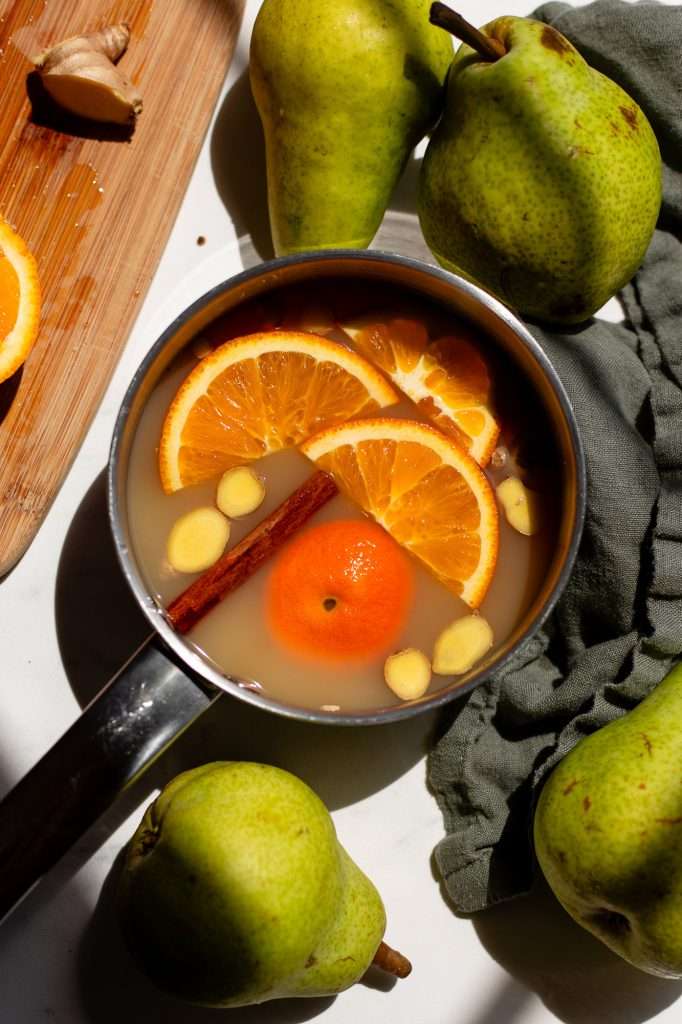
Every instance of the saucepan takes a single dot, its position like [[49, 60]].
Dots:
[[167, 683]]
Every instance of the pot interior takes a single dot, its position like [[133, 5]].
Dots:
[[510, 344]]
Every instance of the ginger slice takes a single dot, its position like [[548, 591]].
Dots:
[[461, 645], [80, 74], [521, 507], [240, 492], [197, 540], [408, 673]]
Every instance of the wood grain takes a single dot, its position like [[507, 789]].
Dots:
[[96, 207]]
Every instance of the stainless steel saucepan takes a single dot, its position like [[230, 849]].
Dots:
[[167, 684]]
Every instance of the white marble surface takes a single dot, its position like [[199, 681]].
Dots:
[[60, 955]]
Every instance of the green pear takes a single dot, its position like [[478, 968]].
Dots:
[[235, 890], [542, 181], [608, 832], [345, 90]]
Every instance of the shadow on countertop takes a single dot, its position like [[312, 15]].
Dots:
[[575, 975], [237, 150], [8, 392]]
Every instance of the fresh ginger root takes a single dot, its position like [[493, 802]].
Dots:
[[408, 673], [197, 540], [240, 492], [461, 645], [80, 74], [521, 506]]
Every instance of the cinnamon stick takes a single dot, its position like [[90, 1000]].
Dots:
[[391, 961], [236, 565]]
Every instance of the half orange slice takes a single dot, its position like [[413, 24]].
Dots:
[[19, 301], [261, 393], [424, 489], [447, 379]]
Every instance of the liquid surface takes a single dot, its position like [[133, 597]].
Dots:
[[235, 636]]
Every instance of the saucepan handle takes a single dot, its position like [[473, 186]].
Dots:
[[134, 718]]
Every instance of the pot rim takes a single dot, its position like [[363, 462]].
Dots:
[[191, 660]]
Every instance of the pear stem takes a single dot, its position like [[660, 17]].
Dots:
[[444, 17], [391, 961]]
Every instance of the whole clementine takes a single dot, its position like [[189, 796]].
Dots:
[[340, 591]]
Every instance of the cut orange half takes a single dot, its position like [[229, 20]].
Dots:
[[19, 301], [447, 379], [261, 393], [424, 489]]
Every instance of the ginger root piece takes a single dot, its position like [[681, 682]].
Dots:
[[80, 74], [197, 540], [461, 645], [521, 506], [408, 673], [240, 492]]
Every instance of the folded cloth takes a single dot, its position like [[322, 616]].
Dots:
[[618, 627]]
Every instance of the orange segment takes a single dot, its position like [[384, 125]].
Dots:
[[261, 393], [447, 379], [340, 591], [19, 301], [424, 489]]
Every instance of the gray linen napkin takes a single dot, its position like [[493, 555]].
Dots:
[[618, 626]]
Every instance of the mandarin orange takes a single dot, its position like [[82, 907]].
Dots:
[[340, 591], [425, 490]]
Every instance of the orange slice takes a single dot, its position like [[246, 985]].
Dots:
[[424, 489], [447, 379], [261, 393], [19, 301]]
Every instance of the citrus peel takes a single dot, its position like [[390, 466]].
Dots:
[[424, 489], [259, 394], [447, 378], [19, 301]]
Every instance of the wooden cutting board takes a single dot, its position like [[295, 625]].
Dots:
[[96, 209]]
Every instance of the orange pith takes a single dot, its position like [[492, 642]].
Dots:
[[340, 591], [259, 394], [19, 301], [448, 378], [424, 489]]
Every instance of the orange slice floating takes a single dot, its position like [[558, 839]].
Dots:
[[19, 301], [447, 378], [424, 489], [261, 393]]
